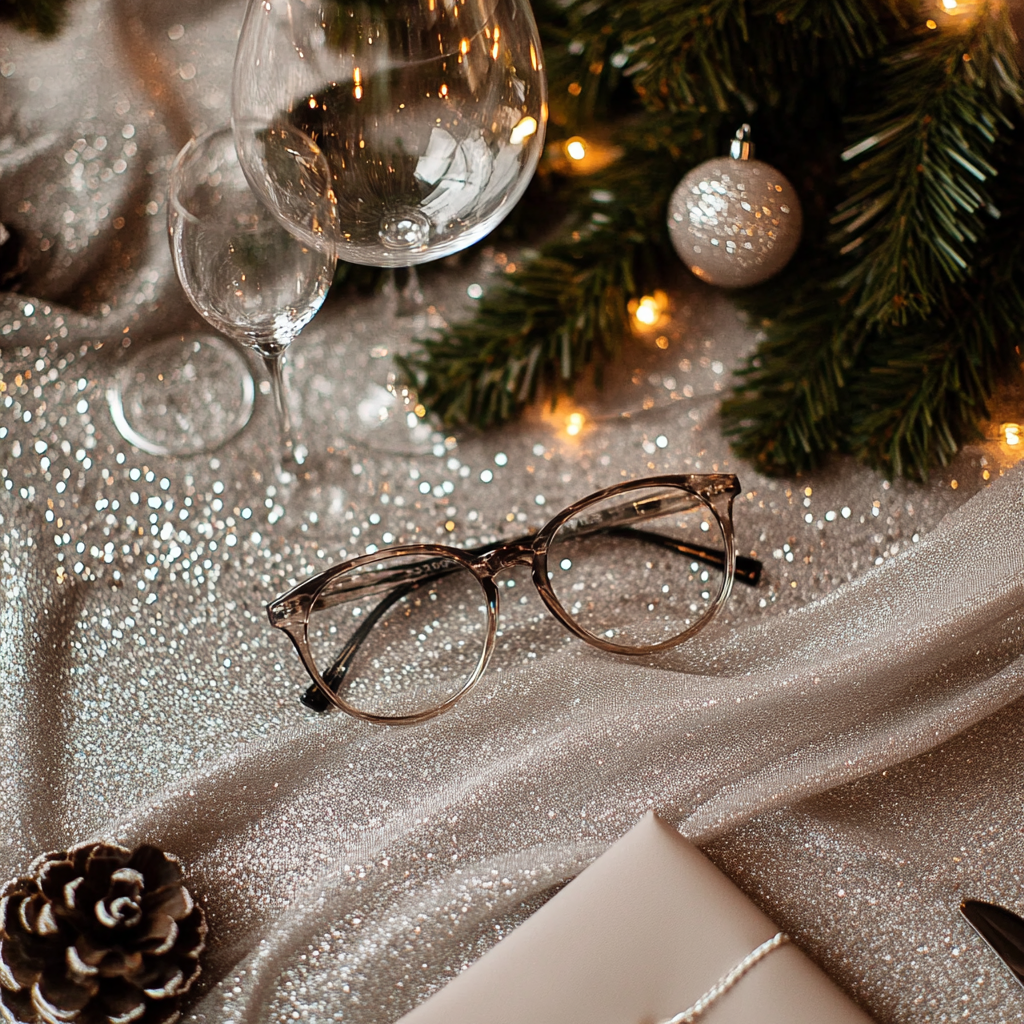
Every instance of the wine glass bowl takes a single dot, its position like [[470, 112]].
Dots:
[[430, 115], [246, 275]]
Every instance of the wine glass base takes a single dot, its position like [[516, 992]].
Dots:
[[183, 395]]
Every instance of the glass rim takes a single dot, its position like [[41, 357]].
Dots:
[[479, 21], [193, 146], [173, 190]]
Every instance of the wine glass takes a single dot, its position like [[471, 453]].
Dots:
[[430, 115], [249, 277]]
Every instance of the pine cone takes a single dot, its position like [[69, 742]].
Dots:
[[98, 935], [10, 257]]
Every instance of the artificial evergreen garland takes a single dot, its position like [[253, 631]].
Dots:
[[887, 334], [44, 16]]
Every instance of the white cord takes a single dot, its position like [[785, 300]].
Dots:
[[727, 981]]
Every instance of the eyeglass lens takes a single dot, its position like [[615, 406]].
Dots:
[[639, 568], [395, 642]]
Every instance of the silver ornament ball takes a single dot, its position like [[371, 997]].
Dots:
[[735, 221]]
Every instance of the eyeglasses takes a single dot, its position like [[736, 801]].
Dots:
[[400, 635]]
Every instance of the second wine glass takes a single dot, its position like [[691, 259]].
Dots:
[[244, 273], [429, 113]]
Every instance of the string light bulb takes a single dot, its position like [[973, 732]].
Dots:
[[576, 148], [565, 419], [579, 155], [1011, 433], [958, 8], [575, 423], [648, 310]]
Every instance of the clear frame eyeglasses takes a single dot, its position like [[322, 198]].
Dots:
[[400, 635]]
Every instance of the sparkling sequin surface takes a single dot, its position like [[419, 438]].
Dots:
[[844, 741]]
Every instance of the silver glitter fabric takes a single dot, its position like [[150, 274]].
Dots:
[[845, 741], [734, 223]]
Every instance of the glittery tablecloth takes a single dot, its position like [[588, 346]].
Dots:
[[845, 742]]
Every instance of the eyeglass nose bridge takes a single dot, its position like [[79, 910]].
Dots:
[[508, 556]]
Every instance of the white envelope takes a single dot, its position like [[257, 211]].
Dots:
[[640, 936]]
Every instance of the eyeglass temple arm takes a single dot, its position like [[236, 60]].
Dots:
[[635, 511], [618, 519], [748, 570], [371, 584]]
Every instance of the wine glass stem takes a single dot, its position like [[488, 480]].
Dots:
[[275, 368]]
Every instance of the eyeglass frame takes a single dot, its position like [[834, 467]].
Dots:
[[290, 612]]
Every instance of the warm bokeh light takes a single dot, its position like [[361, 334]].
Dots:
[[1011, 433], [567, 421], [576, 148], [648, 310], [522, 131], [959, 8], [581, 156]]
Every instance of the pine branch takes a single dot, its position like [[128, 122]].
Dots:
[[918, 397], [566, 311], [895, 327], [784, 414], [890, 359], [918, 198], [547, 327], [43, 16], [584, 68], [927, 396], [730, 55]]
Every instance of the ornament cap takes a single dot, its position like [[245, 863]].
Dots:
[[742, 148]]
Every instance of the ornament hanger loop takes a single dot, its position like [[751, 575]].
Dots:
[[742, 148]]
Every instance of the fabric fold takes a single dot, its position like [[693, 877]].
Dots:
[[791, 707]]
